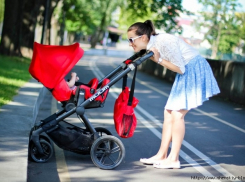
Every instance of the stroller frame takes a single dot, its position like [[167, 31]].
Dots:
[[107, 151]]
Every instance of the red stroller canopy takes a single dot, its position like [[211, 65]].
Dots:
[[51, 63]]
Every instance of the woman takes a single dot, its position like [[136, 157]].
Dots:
[[194, 83]]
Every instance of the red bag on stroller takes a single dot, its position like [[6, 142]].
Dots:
[[124, 116]]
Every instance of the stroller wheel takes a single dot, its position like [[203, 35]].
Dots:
[[103, 131], [107, 152], [40, 158]]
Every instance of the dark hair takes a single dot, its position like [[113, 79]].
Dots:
[[143, 28]]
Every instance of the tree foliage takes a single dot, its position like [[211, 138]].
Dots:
[[78, 16], [90, 17], [222, 24], [241, 22], [166, 12], [162, 12]]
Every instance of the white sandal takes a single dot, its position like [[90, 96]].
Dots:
[[148, 161], [173, 165]]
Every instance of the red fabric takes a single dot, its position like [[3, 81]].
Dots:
[[62, 91], [124, 117], [86, 91], [51, 63], [92, 82], [128, 61], [103, 96]]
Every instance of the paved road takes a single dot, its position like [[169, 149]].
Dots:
[[213, 148]]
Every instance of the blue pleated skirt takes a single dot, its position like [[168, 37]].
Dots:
[[194, 87]]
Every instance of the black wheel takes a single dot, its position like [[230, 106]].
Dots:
[[107, 152], [32, 129], [40, 158], [103, 131]]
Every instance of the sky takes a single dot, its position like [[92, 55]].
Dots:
[[189, 4]]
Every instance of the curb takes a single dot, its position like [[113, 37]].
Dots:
[[38, 102]]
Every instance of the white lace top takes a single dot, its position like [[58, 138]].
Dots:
[[173, 49]]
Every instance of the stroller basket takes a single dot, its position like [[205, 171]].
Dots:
[[106, 151], [71, 138]]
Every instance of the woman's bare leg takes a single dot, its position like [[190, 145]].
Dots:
[[166, 136], [178, 132]]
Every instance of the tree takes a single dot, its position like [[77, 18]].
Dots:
[[104, 9], [222, 25], [162, 12], [20, 20], [166, 13], [51, 7], [28, 21], [134, 11], [90, 17], [93, 17], [241, 28]]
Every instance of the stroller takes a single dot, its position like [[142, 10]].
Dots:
[[50, 65]]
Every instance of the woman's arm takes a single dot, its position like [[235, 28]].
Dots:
[[170, 66], [163, 62]]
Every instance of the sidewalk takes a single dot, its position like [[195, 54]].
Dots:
[[16, 119]]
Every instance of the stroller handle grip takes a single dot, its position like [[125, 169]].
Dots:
[[138, 54], [143, 58], [135, 56]]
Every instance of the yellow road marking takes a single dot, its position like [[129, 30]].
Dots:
[[62, 168]]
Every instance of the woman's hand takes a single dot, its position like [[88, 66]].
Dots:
[[156, 55]]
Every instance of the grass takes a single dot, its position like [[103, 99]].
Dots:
[[13, 74]]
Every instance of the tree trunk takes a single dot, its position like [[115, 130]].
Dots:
[[20, 19], [10, 42], [95, 38], [214, 50], [62, 28], [30, 12], [52, 6], [215, 45], [98, 32]]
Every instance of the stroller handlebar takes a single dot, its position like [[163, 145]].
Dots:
[[135, 56], [143, 58]]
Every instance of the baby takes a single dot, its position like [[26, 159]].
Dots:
[[71, 82]]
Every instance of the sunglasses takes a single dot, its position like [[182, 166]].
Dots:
[[131, 40]]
